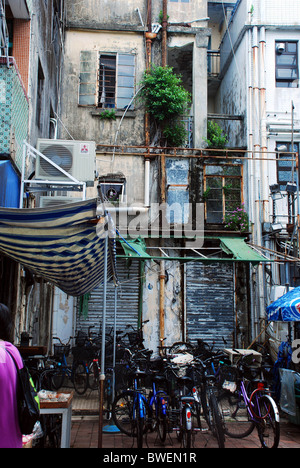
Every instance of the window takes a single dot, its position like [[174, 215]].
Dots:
[[39, 97], [286, 168], [223, 191], [287, 70], [106, 80]]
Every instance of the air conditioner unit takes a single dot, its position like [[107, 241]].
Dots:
[[47, 202], [77, 158]]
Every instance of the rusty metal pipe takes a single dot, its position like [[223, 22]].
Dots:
[[164, 33]]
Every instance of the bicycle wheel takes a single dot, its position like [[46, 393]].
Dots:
[[186, 432], [58, 377], [217, 426], [93, 375], [140, 423], [268, 426], [80, 377], [161, 421], [122, 412], [237, 423]]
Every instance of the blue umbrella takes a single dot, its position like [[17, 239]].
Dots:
[[286, 308]]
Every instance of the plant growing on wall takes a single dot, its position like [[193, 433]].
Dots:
[[215, 136], [167, 101], [108, 115], [237, 220]]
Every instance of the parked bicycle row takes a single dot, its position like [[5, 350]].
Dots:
[[188, 395], [186, 389]]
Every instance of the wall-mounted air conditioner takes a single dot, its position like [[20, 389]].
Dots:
[[77, 158], [50, 202]]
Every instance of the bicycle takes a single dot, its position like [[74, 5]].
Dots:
[[245, 408], [133, 413], [129, 411], [77, 372], [182, 410], [205, 394]]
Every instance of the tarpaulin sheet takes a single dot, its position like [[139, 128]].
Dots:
[[64, 245]]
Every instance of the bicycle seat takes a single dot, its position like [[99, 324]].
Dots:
[[140, 373], [159, 378], [187, 399], [184, 379]]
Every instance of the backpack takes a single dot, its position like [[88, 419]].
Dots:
[[28, 400]]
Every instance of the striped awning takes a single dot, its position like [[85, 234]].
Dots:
[[64, 245]]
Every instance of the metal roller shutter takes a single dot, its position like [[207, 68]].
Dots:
[[210, 303], [127, 301]]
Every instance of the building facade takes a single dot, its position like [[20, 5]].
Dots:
[[193, 286], [30, 66], [259, 81]]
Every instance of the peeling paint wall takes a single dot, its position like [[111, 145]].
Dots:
[[172, 304]]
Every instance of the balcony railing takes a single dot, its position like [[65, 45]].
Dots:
[[14, 111], [213, 63]]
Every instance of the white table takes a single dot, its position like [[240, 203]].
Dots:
[[65, 409]]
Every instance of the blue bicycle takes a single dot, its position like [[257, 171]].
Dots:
[[134, 414], [77, 372]]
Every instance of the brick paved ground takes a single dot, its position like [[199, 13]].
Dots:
[[85, 435]]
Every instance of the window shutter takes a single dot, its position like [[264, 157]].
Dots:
[[88, 78], [125, 80]]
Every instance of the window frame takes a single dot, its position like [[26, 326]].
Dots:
[[89, 91], [224, 178], [286, 82], [284, 169]]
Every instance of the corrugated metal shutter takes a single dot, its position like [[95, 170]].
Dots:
[[127, 301], [210, 303]]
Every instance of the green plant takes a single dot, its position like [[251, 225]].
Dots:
[[161, 17], [167, 101], [108, 114], [215, 137], [175, 133], [237, 220], [227, 189], [206, 194], [163, 93]]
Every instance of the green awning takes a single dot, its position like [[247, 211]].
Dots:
[[237, 247], [134, 248]]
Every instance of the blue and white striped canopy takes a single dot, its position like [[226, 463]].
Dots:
[[64, 245]]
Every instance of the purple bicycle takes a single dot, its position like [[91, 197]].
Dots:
[[245, 407]]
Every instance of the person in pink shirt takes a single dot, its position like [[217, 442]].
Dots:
[[10, 434]]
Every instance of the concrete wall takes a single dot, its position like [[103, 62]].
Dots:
[[78, 120], [45, 58]]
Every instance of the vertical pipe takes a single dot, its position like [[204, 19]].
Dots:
[[162, 301], [164, 33], [263, 127], [23, 175], [102, 369], [147, 183], [148, 40]]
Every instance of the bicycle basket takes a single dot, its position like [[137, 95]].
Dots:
[[81, 338], [228, 378], [80, 353], [60, 350], [133, 338]]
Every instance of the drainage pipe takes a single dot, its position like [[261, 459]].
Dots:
[[164, 33]]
